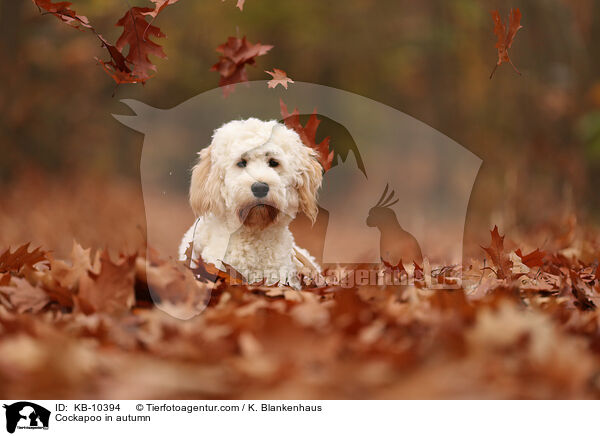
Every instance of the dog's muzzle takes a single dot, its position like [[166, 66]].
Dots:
[[260, 189], [258, 215]]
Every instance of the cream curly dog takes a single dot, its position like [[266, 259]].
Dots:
[[245, 190]]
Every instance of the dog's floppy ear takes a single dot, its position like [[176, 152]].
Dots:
[[310, 181], [204, 187]]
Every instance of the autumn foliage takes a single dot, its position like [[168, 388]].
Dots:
[[518, 328]]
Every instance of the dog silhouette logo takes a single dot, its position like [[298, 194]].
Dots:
[[429, 178], [26, 415]]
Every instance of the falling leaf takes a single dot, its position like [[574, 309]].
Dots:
[[13, 262], [159, 5], [308, 134], [498, 256], [506, 38], [136, 67], [279, 78], [236, 53], [136, 33], [62, 11]]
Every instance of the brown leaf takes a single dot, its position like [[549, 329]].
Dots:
[[111, 290], [498, 256], [173, 282], [136, 33], [62, 11], [506, 38], [582, 292], [13, 262], [236, 53], [308, 134], [24, 297], [533, 259], [279, 78], [68, 276], [159, 6]]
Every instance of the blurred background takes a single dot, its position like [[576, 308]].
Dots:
[[70, 171]]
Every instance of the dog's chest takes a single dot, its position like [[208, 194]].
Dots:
[[265, 250]]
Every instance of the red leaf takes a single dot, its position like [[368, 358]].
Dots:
[[308, 134], [136, 66], [136, 32], [533, 259], [62, 11], [236, 54], [13, 262], [506, 38], [498, 256]]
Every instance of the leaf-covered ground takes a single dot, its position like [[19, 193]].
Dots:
[[82, 324]]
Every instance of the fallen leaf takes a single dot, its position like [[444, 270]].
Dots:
[[24, 297], [111, 290], [533, 259], [498, 256], [13, 262], [67, 275]]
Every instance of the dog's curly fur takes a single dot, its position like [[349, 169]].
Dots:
[[236, 227]]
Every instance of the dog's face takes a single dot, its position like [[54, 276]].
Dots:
[[256, 173]]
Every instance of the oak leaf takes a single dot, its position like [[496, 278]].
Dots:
[[279, 78], [159, 6], [506, 38], [62, 11], [13, 262], [68, 276], [498, 256], [111, 290], [533, 259], [24, 297], [582, 292], [136, 32], [308, 134], [236, 53]]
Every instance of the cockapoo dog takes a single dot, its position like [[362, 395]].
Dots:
[[245, 190]]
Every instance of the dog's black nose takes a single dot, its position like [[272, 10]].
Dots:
[[260, 189]]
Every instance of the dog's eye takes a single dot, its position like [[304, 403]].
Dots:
[[242, 163], [273, 163]]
